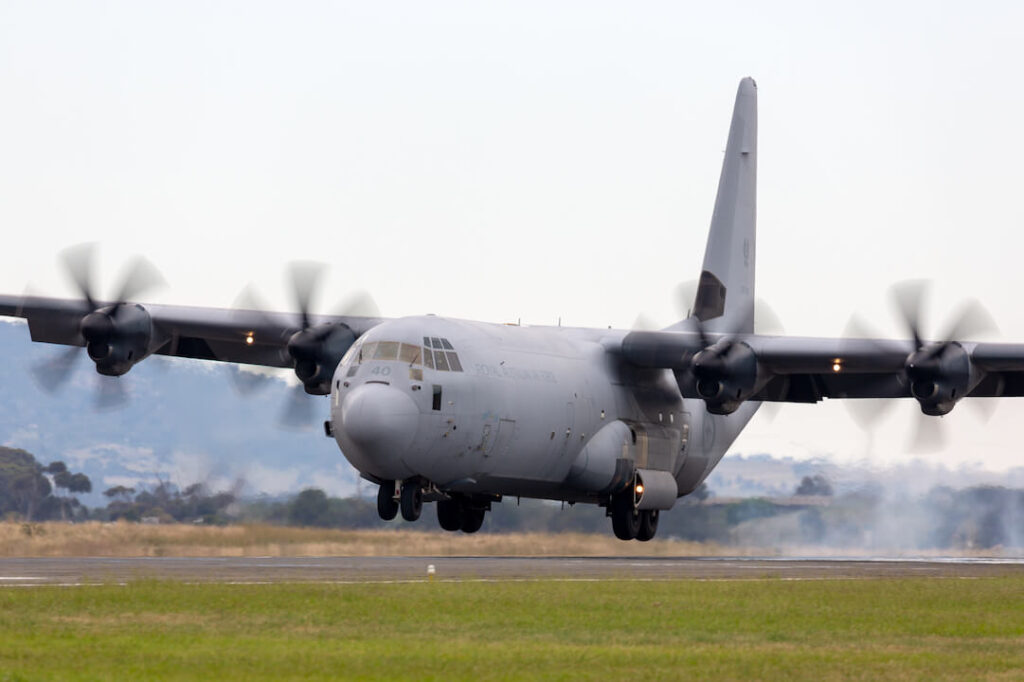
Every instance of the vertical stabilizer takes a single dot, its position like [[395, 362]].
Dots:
[[725, 292]]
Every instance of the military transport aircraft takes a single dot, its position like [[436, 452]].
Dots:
[[464, 413]]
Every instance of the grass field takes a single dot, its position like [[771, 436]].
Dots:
[[94, 539], [913, 628], [134, 539]]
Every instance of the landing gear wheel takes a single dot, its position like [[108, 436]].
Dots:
[[411, 500], [625, 517], [648, 525], [387, 507], [472, 518], [449, 514]]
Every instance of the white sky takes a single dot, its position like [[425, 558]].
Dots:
[[527, 160]]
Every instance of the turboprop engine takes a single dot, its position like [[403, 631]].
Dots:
[[117, 337]]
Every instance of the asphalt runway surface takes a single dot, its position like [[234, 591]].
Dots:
[[257, 570]]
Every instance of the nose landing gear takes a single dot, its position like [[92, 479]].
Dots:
[[409, 500], [387, 505]]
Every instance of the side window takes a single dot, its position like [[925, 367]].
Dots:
[[436, 405], [428, 358], [453, 362]]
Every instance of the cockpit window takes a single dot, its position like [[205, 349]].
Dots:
[[409, 353], [386, 350], [367, 351], [432, 356]]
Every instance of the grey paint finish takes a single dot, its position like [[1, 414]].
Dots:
[[560, 413]]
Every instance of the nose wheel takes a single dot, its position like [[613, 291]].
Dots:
[[387, 505], [411, 500]]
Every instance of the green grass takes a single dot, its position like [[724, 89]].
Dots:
[[610, 630]]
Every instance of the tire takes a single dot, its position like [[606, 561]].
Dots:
[[411, 500], [472, 518], [625, 517], [648, 525], [449, 514], [387, 507]]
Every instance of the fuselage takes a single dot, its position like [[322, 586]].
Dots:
[[492, 409]]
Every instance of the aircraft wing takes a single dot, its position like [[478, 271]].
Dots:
[[805, 370], [250, 337]]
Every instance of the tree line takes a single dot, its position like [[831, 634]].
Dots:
[[971, 518]]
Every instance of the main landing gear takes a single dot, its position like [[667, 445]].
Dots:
[[460, 513], [454, 513], [630, 523]]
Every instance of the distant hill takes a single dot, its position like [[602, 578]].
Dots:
[[184, 422], [766, 475]]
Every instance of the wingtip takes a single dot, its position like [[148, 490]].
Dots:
[[748, 85]]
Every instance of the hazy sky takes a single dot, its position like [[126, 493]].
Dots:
[[500, 161]]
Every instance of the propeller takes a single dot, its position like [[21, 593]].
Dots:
[[102, 324], [939, 372], [313, 350], [725, 372]]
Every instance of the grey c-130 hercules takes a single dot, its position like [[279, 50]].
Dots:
[[464, 413]]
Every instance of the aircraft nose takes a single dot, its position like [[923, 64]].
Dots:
[[380, 420]]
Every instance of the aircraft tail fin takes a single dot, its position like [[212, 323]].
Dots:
[[725, 292]]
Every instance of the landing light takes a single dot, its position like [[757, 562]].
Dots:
[[249, 340], [837, 365], [639, 488]]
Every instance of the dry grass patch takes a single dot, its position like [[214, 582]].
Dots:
[[132, 539]]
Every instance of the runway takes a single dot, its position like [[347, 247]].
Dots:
[[256, 570]]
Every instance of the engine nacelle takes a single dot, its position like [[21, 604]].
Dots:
[[939, 375], [117, 337], [723, 376], [317, 352]]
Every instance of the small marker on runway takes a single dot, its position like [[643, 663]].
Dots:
[[430, 572]]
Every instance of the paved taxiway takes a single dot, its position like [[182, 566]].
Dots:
[[74, 571]]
